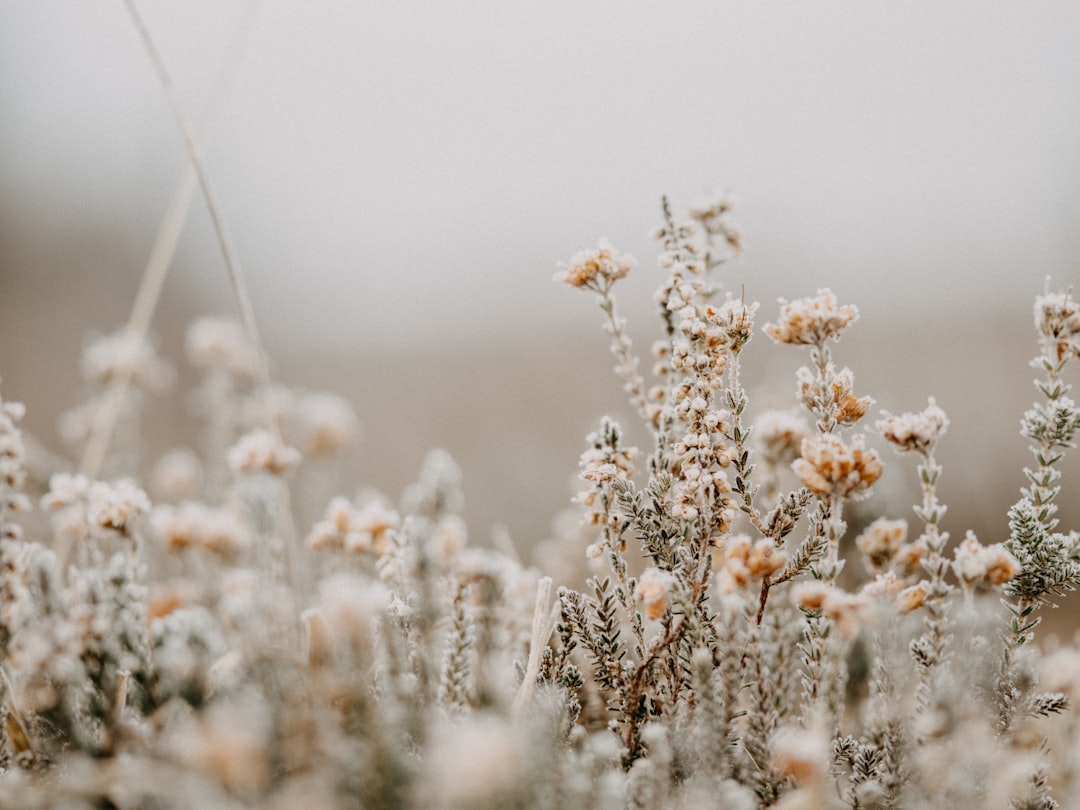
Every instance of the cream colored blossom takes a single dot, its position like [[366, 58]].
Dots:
[[914, 431], [765, 559], [109, 355], [828, 467], [974, 563], [811, 594], [177, 475], [1057, 318], [194, 525], [912, 598], [882, 586], [259, 451], [220, 344], [848, 611], [736, 318], [881, 540], [596, 269], [801, 754], [654, 590], [811, 321], [116, 506], [357, 530], [324, 424], [779, 434]]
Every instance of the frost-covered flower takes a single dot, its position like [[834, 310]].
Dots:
[[914, 431], [711, 214], [849, 611], [176, 475], [779, 434], [108, 355], [324, 424], [193, 525], [347, 527], [596, 269], [115, 506], [881, 540], [220, 344], [828, 467], [912, 598], [801, 754], [811, 321], [736, 318], [260, 451], [654, 590], [974, 563], [1057, 319], [65, 489]]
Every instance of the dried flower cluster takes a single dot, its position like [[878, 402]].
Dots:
[[208, 649]]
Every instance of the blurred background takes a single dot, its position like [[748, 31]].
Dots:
[[401, 180]]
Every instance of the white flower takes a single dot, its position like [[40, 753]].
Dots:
[[914, 431], [260, 451], [811, 321]]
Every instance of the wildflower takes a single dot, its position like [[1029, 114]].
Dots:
[[115, 506], [800, 754], [711, 215], [325, 425], [846, 610], [914, 431], [193, 525], [909, 557], [736, 318], [828, 467], [596, 269], [260, 451], [1057, 319], [220, 344], [834, 396], [779, 434], [604, 461], [109, 355], [65, 489], [176, 475], [974, 563], [653, 590], [811, 321], [765, 559], [352, 529], [811, 594], [882, 586], [912, 598], [881, 540]]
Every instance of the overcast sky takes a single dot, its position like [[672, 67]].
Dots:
[[395, 171]]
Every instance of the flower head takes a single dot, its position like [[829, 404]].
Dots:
[[975, 564], [881, 541], [736, 318], [260, 451], [829, 467], [811, 321], [653, 590], [596, 269], [914, 431]]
